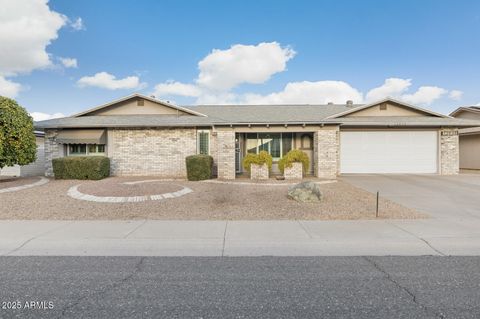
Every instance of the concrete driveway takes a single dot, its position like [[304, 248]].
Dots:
[[446, 197]]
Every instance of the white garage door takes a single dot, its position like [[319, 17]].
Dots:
[[388, 152]]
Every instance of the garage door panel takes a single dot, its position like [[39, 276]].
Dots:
[[388, 152]]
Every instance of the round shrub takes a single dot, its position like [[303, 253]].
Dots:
[[199, 167], [261, 158], [292, 157]]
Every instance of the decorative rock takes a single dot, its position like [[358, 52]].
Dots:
[[305, 192]]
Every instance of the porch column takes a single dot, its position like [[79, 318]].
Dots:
[[226, 154], [449, 151], [52, 150], [326, 152]]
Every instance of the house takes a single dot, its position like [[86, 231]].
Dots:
[[33, 169], [145, 136], [469, 138]]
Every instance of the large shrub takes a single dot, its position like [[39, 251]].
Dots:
[[199, 167], [81, 167], [17, 139], [261, 158], [292, 157]]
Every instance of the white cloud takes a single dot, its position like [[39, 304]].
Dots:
[[8, 88], [424, 95], [108, 81], [177, 88], [306, 92], [27, 27], [392, 87], [77, 24], [222, 70], [69, 62], [39, 116], [455, 95]]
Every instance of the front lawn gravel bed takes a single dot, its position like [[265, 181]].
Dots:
[[208, 201]]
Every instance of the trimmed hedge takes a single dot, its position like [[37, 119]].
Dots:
[[199, 167], [292, 157], [261, 158], [81, 167]]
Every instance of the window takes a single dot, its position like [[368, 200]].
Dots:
[[77, 149], [203, 142], [85, 149], [276, 144]]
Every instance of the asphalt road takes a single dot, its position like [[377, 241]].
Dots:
[[241, 287]]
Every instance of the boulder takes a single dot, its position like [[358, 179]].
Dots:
[[305, 192]]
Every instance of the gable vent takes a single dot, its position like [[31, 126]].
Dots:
[[383, 106], [140, 102]]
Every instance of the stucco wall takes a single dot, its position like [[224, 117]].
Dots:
[[159, 152]]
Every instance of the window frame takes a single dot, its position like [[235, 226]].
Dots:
[[199, 132], [87, 151]]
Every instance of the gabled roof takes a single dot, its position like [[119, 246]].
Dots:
[[471, 109], [388, 99], [138, 95]]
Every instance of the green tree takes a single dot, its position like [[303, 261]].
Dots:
[[17, 138]]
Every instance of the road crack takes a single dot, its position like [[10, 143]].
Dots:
[[103, 290], [390, 278]]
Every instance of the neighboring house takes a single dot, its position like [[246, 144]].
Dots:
[[34, 169], [469, 138], [145, 136]]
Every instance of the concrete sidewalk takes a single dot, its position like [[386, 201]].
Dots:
[[241, 238]]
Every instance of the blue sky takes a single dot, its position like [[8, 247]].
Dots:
[[268, 52]]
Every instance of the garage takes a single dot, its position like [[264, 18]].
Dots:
[[388, 152]]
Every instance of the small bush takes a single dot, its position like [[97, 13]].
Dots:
[[81, 167], [292, 157], [199, 167], [261, 158]]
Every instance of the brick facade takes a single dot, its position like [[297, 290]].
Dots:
[[294, 172], [449, 152], [52, 150], [225, 149], [159, 152], [258, 172], [326, 152]]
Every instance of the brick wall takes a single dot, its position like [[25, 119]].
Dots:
[[449, 152], [259, 172], [294, 172], [326, 145], [52, 150], [225, 146], [159, 152]]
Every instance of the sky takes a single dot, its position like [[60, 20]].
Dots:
[[58, 58]]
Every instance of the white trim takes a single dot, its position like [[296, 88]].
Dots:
[[139, 96], [388, 99]]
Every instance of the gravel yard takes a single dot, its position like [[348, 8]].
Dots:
[[209, 200]]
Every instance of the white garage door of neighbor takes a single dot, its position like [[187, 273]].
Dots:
[[388, 152]]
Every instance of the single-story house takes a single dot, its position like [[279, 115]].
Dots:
[[469, 138], [36, 168], [145, 136]]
